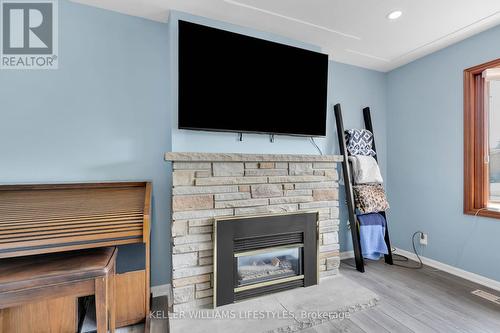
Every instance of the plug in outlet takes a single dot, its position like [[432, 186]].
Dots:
[[423, 239]]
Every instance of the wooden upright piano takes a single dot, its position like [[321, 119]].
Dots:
[[38, 219]]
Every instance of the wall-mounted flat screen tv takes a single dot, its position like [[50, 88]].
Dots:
[[232, 82]]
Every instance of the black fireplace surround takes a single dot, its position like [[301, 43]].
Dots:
[[260, 255]]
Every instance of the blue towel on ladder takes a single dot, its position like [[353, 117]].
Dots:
[[371, 234]]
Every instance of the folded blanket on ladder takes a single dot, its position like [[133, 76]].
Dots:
[[371, 234], [365, 170], [370, 198]]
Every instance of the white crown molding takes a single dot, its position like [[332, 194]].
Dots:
[[348, 42], [293, 19], [368, 55]]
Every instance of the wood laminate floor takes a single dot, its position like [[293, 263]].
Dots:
[[425, 300]]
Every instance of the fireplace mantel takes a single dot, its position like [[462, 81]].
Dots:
[[210, 186], [239, 157]]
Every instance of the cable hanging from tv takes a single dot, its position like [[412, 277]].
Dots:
[[315, 145]]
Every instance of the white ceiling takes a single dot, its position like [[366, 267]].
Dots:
[[356, 32]]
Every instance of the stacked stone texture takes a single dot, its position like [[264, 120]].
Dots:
[[203, 191]]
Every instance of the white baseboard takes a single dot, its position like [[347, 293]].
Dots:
[[346, 255], [479, 279], [163, 290]]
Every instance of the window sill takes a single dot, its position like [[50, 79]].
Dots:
[[485, 212]]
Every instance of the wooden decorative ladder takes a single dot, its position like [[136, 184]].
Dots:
[[353, 220]]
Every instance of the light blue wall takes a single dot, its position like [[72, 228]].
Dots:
[[425, 159], [354, 88], [102, 116], [109, 112], [351, 86]]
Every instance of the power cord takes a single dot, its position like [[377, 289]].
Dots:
[[469, 236], [315, 145], [402, 258]]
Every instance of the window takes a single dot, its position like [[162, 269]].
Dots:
[[482, 139], [492, 105]]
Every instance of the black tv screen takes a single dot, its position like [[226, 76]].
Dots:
[[233, 82]]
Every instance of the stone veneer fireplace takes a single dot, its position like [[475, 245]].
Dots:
[[226, 188]]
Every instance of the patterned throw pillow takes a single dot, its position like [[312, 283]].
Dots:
[[370, 198], [359, 142]]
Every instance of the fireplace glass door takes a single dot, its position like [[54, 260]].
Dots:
[[268, 264], [259, 255]]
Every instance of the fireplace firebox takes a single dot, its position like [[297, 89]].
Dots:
[[264, 254]]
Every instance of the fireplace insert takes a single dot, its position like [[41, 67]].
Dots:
[[260, 255]]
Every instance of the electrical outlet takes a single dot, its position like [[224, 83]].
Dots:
[[423, 239]]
